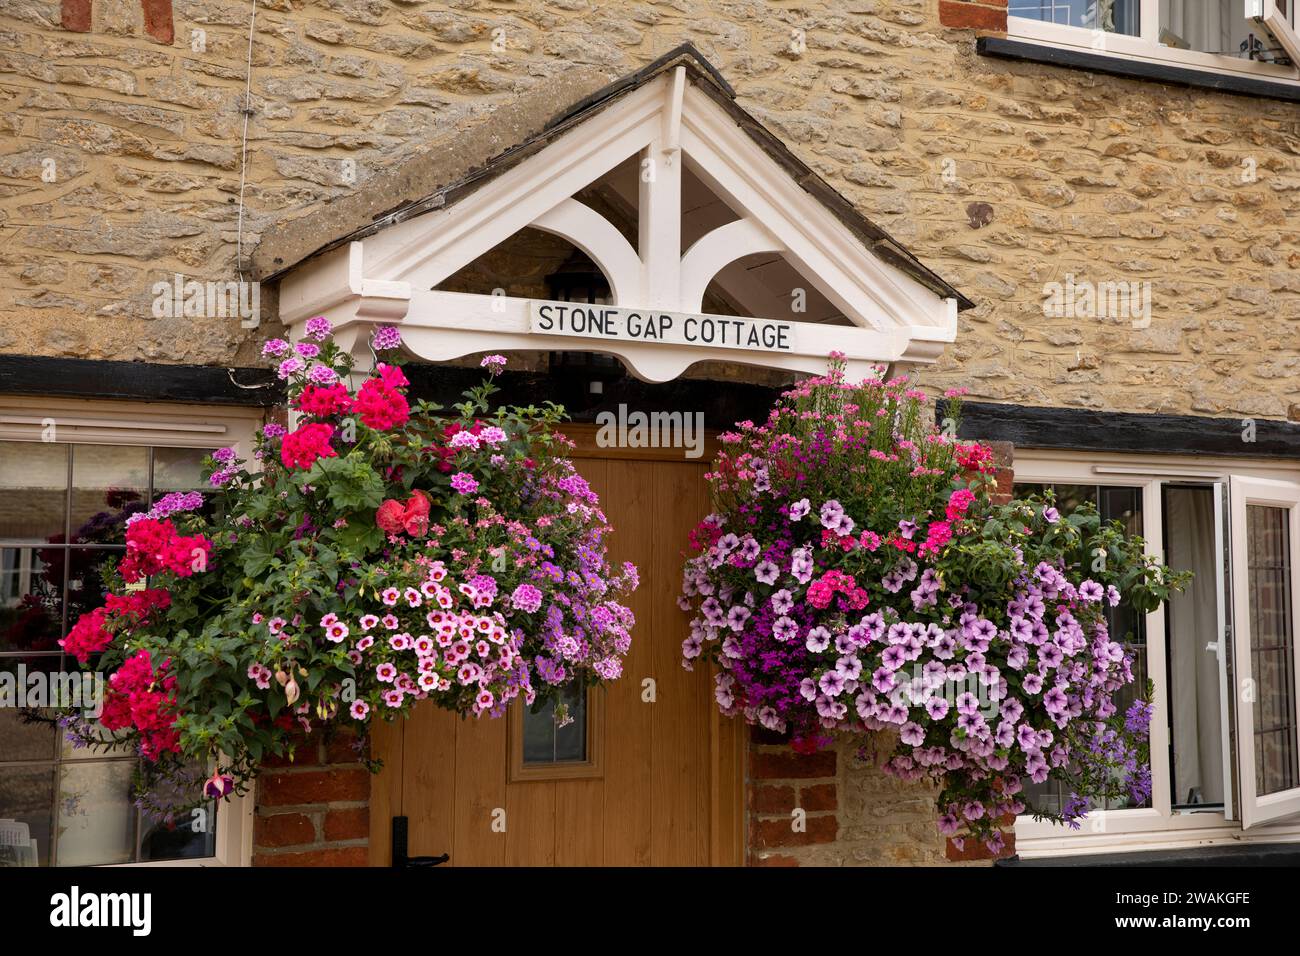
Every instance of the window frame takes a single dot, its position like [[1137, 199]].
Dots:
[[1259, 808], [1159, 826], [590, 769], [1146, 47], [150, 424]]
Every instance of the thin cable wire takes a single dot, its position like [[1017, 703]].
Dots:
[[243, 152]]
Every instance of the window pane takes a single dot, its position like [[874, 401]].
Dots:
[[108, 483], [545, 742], [178, 469], [189, 838], [75, 751], [31, 599], [33, 490], [86, 587], [1196, 734], [26, 815], [96, 814], [1113, 503], [1111, 16], [21, 737], [1272, 647]]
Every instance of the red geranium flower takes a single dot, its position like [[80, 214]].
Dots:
[[301, 448]]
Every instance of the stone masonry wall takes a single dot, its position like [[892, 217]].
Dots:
[[121, 160]]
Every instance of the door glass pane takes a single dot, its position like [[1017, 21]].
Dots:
[[96, 813], [33, 491], [31, 599], [1111, 16], [545, 742], [108, 483], [1272, 647], [26, 815]]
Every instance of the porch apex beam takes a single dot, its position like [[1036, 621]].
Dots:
[[672, 134], [660, 225]]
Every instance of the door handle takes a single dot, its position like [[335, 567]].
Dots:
[[401, 857]]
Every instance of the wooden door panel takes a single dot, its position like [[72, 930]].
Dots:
[[429, 769], [480, 777], [628, 720], [679, 815], [530, 815], [670, 791]]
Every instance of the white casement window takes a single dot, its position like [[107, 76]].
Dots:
[[1222, 656], [1249, 38], [70, 473]]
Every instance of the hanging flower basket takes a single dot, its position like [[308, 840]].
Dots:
[[857, 575], [375, 556]]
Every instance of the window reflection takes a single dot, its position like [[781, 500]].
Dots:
[[33, 491], [1113, 503], [31, 600], [1109, 16], [108, 483], [1268, 568], [545, 742]]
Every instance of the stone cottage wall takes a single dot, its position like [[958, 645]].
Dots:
[[121, 159]]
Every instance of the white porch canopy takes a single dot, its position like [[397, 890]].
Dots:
[[885, 306]]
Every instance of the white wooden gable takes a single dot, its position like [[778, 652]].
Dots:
[[390, 277]]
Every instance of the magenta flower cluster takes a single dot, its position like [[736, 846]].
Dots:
[[835, 588]]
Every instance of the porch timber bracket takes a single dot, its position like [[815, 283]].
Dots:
[[891, 309]]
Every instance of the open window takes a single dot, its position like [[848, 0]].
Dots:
[[1221, 655], [1277, 19], [1265, 590], [1248, 38]]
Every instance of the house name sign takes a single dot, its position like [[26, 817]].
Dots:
[[608, 322]]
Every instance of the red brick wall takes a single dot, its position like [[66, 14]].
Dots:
[[315, 809], [986, 16], [77, 16], [779, 782]]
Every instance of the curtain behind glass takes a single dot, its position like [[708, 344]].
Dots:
[[1194, 670]]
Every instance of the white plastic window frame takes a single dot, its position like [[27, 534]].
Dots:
[[1147, 47], [1159, 826], [156, 424]]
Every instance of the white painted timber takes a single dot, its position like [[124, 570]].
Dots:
[[389, 278]]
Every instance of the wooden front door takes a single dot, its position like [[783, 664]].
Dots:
[[668, 790]]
